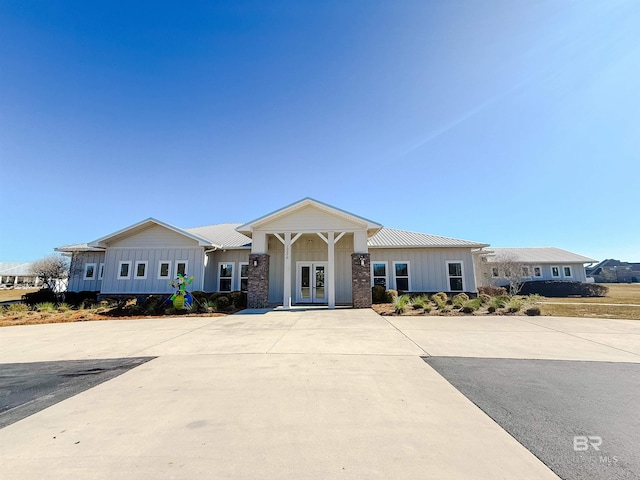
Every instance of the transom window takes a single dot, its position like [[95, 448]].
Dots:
[[141, 270], [454, 271], [90, 271], [225, 277], [244, 276], [124, 270], [379, 273], [401, 274], [164, 270], [555, 271]]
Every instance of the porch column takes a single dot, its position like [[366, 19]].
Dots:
[[286, 300], [331, 284], [361, 280]]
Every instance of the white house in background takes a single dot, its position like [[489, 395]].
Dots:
[[17, 274], [538, 263], [306, 252]]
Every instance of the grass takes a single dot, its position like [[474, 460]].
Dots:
[[621, 297], [11, 295], [619, 293]]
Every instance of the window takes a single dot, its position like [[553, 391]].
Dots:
[[454, 271], [101, 271], [164, 270], [379, 273], [141, 270], [90, 271], [226, 277], [181, 267], [124, 270], [566, 271], [495, 272], [555, 271], [526, 271], [401, 274], [244, 276], [537, 271]]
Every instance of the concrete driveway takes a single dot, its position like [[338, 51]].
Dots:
[[274, 394]]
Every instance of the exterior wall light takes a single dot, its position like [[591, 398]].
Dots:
[[362, 261], [255, 262]]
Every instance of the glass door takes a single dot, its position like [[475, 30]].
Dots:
[[310, 282]]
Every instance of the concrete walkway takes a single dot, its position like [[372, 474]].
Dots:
[[274, 394]]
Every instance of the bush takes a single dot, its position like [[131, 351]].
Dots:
[[484, 298], [45, 307], [238, 299], [43, 295], [532, 311], [492, 291], [200, 302], [427, 308], [378, 294], [401, 303], [390, 295], [18, 308], [76, 299], [562, 288], [491, 309], [440, 296], [459, 299], [420, 302], [514, 305], [223, 303], [499, 302], [154, 305], [471, 306]]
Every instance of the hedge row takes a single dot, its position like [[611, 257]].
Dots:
[[562, 288]]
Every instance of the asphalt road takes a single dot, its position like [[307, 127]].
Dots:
[[26, 388], [546, 404]]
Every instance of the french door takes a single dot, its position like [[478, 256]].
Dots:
[[310, 282]]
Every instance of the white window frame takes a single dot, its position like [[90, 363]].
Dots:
[[533, 270], [100, 271], [449, 277], [186, 267], [146, 269], [559, 271], [120, 263], [386, 273], [233, 274], [395, 282], [570, 271], [160, 277], [95, 271], [527, 269], [240, 277]]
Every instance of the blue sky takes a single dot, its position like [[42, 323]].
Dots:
[[514, 123]]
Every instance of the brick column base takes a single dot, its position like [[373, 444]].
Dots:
[[258, 281], [361, 280]]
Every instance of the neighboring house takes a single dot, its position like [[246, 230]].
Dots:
[[307, 252], [14, 274], [614, 271], [536, 263]]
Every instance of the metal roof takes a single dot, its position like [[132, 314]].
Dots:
[[78, 247], [223, 235], [392, 238], [15, 268], [538, 255]]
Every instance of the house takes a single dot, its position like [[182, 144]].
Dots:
[[615, 271], [305, 253], [535, 263]]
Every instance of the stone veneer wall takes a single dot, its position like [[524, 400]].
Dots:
[[361, 280], [258, 281]]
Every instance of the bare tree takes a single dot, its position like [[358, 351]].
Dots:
[[52, 270], [507, 268]]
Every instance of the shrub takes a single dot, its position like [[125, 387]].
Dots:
[[440, 304], [154, 305], [514, 305], [471, 306], [421, 302], [484, 298], [18, 308], [238, 299], [378, 294], [532, 311], [222, 303], [200, 301], [427, 307], [390, 295], [499, 302], [45, 307], [76, 299], [491, 309], [441, 296], [63, 307], [43, 295], [459, 299], [493, 291], [562, 288], [401, 303]]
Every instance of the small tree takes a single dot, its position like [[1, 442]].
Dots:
[[52, 270], [509, 269]]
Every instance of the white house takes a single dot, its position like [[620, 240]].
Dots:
[[306, 252]]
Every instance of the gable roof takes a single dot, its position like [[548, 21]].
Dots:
[[78, 247], [144, 224], [392, 238], [223, 235], [539, 255], [248, 227]]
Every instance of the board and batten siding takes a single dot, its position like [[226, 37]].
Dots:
[[212, 272], [309, 218], [77, 283], [427, 266]]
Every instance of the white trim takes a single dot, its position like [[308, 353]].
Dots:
[[393, 273], [100, 271], [160, 277], [570, 271], [186, 267], [533, 270], [220, 277], [449, 277], [123, 262], [240, 277], [135, 269], [528, 271], [559, 271], [386, 273], [95, 272]]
